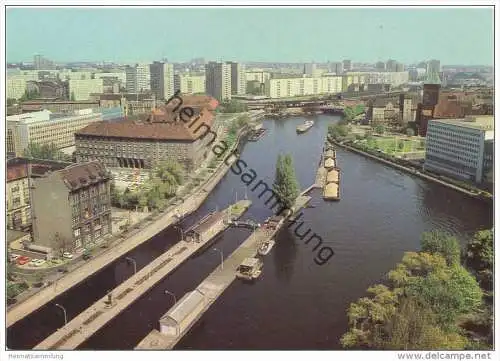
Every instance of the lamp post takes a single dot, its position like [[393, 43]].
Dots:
[[167, 292], [221, 258], [65, 314], [130, 259], [181, 232]]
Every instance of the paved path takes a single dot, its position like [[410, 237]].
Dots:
[[215, 284], [23, 309], [100, 313]]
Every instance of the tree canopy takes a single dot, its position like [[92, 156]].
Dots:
[[421, 304], [479, 257], [285, 184], [46, 151]]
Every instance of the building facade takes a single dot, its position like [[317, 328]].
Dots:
[[162, 79], [238, 78], [17, 197], [301, 86], [190, 83], [138, 78], [456, 147], [144, 143], [80, 89], [46, 128], [71, 207], [218, 80], [16, 84]]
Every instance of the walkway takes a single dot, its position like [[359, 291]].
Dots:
[[101, 312], [193, 202], [215, 284]]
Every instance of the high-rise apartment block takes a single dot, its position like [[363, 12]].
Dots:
[[218, 80], [137, 78], [238, 78], [162, 79]]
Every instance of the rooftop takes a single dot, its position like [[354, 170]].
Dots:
[[482, 122], [83, 174], [163, 127]]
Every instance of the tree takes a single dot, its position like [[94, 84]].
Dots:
[[380, 129], [62, 243], [438, 242], [285, 184], [45, 151], [479, 257], [410, 132], [401, 145], [233, 106]]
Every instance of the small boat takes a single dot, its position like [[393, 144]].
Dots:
[[249, 269], [257, 134], [266, 247], [305, 127]]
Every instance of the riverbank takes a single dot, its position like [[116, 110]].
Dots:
[[138, 236], [413, 171]]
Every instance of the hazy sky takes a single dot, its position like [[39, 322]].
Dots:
[[455, 36]]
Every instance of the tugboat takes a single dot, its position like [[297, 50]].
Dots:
[[250, 269], [265, 247], [305, 127]]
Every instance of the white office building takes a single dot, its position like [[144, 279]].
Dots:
[[238, 78], [190, 83], [80, 89], [456, 147], [16, 83], [292, 87], [138, 78]]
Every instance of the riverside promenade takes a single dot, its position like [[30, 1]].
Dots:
[[170, 216], [104, 310], [220, 279]]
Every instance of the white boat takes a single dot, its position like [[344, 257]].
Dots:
[[249, 269], [305, 127], [266, 247]]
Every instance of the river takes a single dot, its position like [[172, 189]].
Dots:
[[296, 303]]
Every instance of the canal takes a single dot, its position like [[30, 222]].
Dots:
[[296, 304]]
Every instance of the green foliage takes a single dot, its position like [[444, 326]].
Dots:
[[351, 112], [479, 257], [29, 95], [420, 308], [14, 289], [410, 132], [337, 131], [11, 101], [380, 129], [285, 184], [401, 145], [437, 242], [233, 106], [46, 151]]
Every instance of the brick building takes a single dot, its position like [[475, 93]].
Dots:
[[72, 207], [156, 136]]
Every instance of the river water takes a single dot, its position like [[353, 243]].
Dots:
[[296, 303]]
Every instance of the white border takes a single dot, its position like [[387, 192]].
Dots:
[[230, 355]]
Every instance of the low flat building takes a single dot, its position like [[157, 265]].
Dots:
[[45, 127], [57, 106], [456, 147], [71, 207]]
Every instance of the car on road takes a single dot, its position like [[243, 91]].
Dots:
[[23, 260], [67, 255], [14, 257], [33, 262], [40, 262]]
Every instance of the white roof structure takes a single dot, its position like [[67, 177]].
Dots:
[[183, 308]]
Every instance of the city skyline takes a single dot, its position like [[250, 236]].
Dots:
[[252, 34]]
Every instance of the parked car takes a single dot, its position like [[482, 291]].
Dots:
[[67, 255], [33, 262], [14, 257], [40, 262], [23, 260]]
